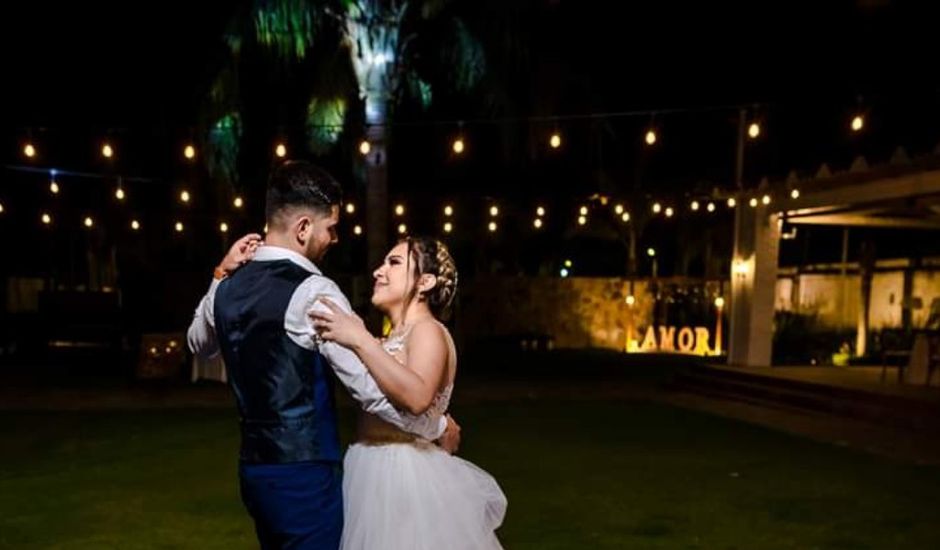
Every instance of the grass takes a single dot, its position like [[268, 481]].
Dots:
[[578, 474]]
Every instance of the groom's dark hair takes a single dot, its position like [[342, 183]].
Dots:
[[300, 184]]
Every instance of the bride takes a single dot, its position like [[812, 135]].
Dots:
[[401, 492]]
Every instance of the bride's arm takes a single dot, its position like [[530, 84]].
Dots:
[[416, 385], [412, 387]]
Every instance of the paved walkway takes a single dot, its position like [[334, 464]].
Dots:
[[859, 378]]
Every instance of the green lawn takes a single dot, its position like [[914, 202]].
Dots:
[[578, 475]]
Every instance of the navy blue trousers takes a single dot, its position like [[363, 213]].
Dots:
[[296, 506]]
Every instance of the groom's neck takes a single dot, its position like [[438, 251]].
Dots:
[[282, 240]]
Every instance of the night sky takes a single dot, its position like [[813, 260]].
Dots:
[[139, 72]]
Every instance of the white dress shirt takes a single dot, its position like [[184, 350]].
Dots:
[[349, 369]]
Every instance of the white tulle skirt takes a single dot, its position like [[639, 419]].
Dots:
[[402, 496]]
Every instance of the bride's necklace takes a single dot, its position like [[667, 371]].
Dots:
[[396, 338]]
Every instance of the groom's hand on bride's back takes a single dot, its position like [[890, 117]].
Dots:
[[450, 439]]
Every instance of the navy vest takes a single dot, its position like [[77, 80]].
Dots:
[[284, 391]]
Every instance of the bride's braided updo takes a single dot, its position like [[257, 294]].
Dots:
[[431, 257]]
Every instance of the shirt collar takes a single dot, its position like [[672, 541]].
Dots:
[[269, 253]]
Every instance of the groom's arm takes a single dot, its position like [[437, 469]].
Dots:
[[201, 334], [349, 369]]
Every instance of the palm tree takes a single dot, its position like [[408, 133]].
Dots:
[[331, 55]]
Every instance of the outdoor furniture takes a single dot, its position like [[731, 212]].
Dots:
[[924, 357], [896, 348], [933, 360], [77, 320], [208, 368], [161, 356]]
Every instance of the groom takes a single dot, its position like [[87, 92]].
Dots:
[[255, 314]]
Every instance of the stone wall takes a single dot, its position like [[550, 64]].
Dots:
[[573, 312], [592, 313]]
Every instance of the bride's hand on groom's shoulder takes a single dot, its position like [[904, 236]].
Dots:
[[240, 253], [336, 325]]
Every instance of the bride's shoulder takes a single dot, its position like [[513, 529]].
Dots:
[[431, 334], [428, 328]]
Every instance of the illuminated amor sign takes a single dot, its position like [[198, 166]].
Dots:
[[670, 339]]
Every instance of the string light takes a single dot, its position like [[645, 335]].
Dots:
[[135, 225], [357, 230], [46, 219], [568, 263], [179, 227], [89, 222], [651, 137], [1, 208], [492, 227], [651, 252], [753, 130], [858, 122], [631, 299], [563, 272], [402, 229], [223, 227], [448, 227], [719, 302]]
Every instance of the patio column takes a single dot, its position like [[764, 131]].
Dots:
[[753, 285]]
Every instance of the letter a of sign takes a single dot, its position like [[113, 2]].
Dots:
[[649, 341]]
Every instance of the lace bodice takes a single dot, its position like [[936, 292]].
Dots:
[[372, 428], [395, 345]]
